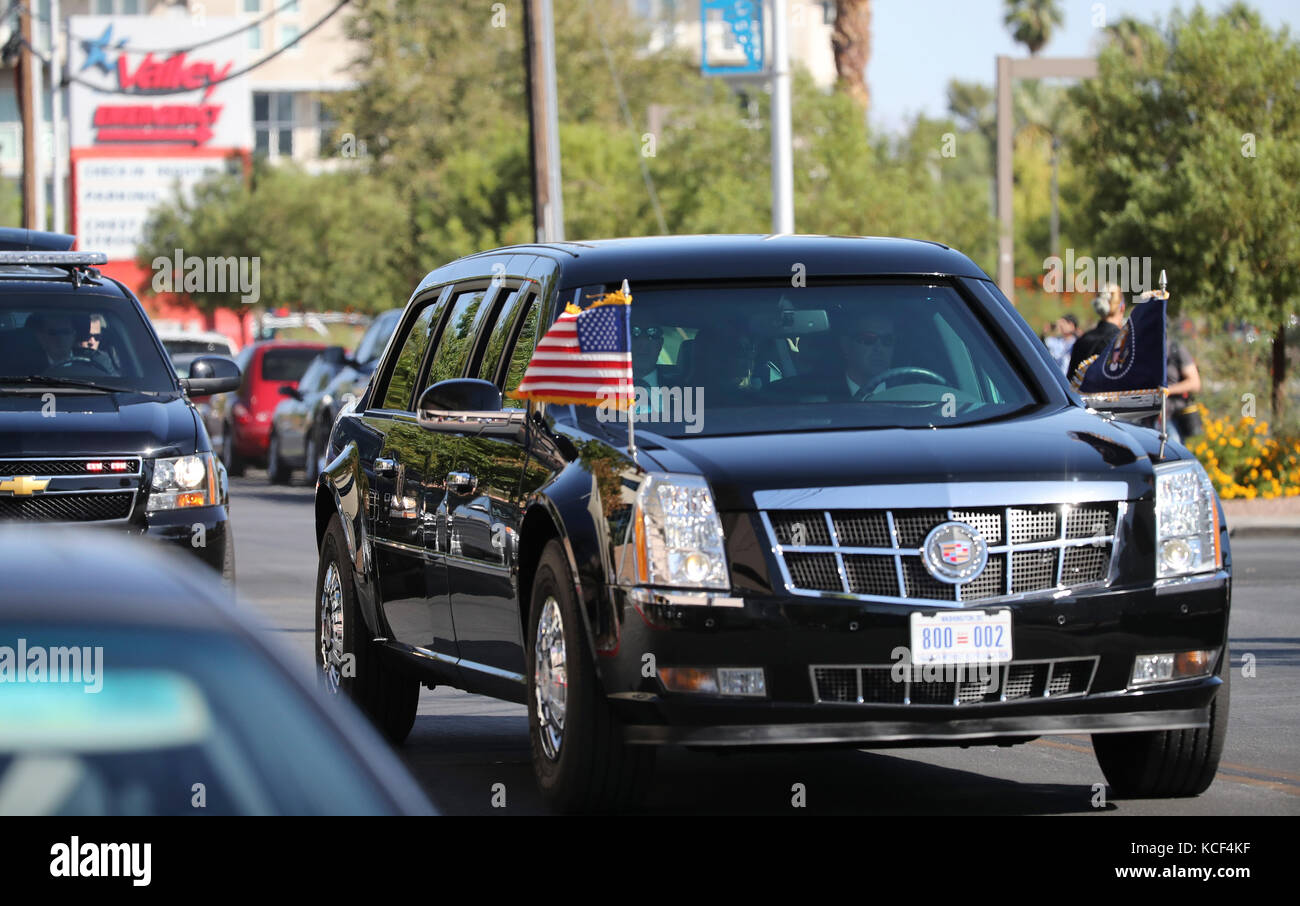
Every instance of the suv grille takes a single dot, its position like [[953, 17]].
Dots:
[[49, 467], [68, 507], [876, 554], [874, 684]]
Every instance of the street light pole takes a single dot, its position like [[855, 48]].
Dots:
[[543, 121], [56, 121], [782, 153]]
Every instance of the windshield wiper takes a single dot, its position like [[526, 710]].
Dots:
[[80, 383]]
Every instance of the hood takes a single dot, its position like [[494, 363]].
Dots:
[[95, 424], [1068, 445]]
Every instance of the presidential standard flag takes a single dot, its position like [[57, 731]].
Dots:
[[1134, 362], [586, 356]]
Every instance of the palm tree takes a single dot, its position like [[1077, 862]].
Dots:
[[1031, 21], [851, 42]]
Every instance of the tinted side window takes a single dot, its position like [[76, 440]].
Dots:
[[407, 368], [496, 344], [522, 352], [457, 337]]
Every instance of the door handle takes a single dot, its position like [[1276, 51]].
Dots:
[[385, 467], [461, 482]]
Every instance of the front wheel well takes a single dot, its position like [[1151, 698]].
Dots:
[[538, 528], [324, 510]]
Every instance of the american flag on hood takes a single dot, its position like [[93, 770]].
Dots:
[[586, 356]]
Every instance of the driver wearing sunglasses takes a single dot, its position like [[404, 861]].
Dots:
[[868, 348]]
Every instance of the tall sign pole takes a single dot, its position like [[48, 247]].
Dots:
[[543, 120], [56, 122], [27, 112], [782, 154]]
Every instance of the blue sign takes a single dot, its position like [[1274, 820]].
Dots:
[[745, 20]]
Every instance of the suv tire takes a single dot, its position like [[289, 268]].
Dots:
[[233, 461], [1164, 764], [589, 768], [276, 470], [387, 697]]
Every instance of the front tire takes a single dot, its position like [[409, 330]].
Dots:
[[580, 759], [1164, 764], [348, 662]]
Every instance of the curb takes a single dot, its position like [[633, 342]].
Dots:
[[1264, 528]]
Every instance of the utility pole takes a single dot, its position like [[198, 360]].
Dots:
[[543, 120], [26, 77], [782, 153], [56, 121]]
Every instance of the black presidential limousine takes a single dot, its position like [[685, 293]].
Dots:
[[863, 508]]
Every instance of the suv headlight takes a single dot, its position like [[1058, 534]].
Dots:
[[678, 534], [1187, 521], [182, 481]]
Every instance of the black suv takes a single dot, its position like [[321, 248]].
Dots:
[[95, 426], [863, 508]]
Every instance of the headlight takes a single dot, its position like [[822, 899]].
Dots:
[[1187, 521], [181, 482], [679, 540]]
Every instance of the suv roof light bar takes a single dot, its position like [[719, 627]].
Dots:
[[58, 259]]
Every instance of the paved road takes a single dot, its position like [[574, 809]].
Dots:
[[463, 745]]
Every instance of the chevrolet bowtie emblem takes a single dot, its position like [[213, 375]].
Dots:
[[23, 485]]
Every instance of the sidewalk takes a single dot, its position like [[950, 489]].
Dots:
[[1279, 517]]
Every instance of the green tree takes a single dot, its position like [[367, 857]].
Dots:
[[323, 242], [1191, 140], [1032, 21]]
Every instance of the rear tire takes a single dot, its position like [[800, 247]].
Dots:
[[276, 470], [586, 766], [233, 461], [347, 660], [1166, 764]]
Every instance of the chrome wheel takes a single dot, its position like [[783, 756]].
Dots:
[[550, 677], [331, 628]]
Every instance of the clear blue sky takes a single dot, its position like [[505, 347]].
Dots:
[[918, 45]]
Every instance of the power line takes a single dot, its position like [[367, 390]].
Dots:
[[69, 79]]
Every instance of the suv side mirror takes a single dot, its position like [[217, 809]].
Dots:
[[291, 391], [465, 405], [211, 374]]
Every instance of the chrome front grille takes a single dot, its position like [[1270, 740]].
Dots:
[[879, 684], [876, 554]]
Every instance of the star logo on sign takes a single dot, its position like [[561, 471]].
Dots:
[[95, 51]]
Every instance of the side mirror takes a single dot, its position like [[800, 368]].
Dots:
[[465, 405], [335, 356], [211, 374], [291, 391]]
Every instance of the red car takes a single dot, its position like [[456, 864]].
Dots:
[[245, 415]]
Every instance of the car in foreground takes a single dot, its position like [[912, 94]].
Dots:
[[297, 436], [158, 697], [95, 425], [860, 509], [266, 368]]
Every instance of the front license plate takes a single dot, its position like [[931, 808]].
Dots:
[[961, 637]]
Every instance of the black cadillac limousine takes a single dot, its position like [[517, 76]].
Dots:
[[861, 507]]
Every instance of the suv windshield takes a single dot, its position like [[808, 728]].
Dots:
[[376, 336], [739, 360], [82, 336]]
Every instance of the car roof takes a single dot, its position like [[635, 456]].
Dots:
[[17, 239], [708, 257], [71, 575]]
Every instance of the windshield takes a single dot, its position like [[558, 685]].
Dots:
[[132, 717], [376, 337], [735, 360], [176, 347], [81, 335], [288, 364]]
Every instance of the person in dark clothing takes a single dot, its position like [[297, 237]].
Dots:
[[1109, 305]]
